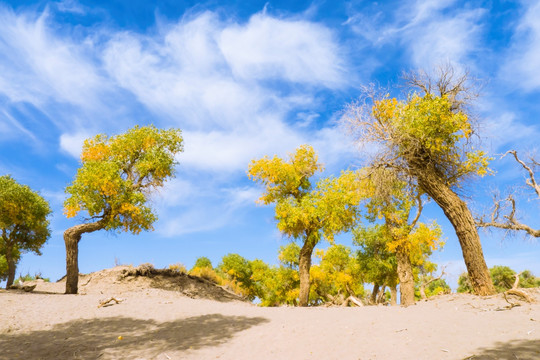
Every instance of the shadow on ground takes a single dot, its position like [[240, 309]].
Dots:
[[512, 350], [98, 338]]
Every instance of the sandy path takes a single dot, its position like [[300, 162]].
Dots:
[[160, 324]]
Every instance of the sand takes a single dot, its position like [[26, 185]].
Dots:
[[154, 323]]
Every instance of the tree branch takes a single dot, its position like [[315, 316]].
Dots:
[[510, 221]]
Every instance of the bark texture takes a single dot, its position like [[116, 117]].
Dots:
[[460, 217], [72, 236], [406, 278], [374, 293], [11, 267], [393, 295], [304, 266]]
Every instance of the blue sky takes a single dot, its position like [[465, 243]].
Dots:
[[244, 79]]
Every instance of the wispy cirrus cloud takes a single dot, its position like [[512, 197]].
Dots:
[[431, 32], [520, 66]]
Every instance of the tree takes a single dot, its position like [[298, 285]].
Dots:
[[23, 221], [392, 200], [427, 140], [279, 285], [509, 221], [377, 264], [337, 278], [202, 262], [304, 211], [112, 186]]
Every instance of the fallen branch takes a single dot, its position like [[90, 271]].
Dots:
[[354, 300], [106, 302]]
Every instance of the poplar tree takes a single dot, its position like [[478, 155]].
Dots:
[[23, 223], [428, 139], [112, 186], [306, 211]]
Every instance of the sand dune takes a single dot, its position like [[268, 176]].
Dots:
[[153, 323]]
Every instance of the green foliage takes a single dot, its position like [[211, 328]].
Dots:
[[238, 270], [117, 174], [436, 287], [503, 279], [3, 268], [289, 254], [377, 264], [28, 277], [338, 274], [203, 262], [464, 284], [23, 220]]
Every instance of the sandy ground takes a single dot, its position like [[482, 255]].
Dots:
[[153, 323]]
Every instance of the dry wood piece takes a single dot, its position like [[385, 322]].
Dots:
[[354, 300], [106, 302]]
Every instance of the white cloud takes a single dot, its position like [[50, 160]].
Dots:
[[294, 50], [433, 31], [506, 131], [233, 88], [72, 143], [521, 66], [39, 67]]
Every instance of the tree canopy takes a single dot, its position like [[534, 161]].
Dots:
[[23, 222]]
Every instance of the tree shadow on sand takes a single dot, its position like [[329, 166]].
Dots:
[[99, 338], [511, 350]]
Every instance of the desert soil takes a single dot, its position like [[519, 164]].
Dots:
[[154, 321]]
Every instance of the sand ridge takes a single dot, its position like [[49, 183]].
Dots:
[[151, 322]]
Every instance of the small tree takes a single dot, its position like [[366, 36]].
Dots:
[[337, 278], [303, 211], [392, 200], [427, 140], [23, 222], [112, 186], [378, 265], [202, 262]]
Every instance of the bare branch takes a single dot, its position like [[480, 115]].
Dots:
[[419, 210], [426, 283], [510, 221], [531, 181]]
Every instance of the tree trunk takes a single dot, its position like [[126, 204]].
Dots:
[[72, 236], [406, 278], [304, 266], [458, 213], [381, 297], [374, 294], [423, 291], [393, 295], [12, 265]]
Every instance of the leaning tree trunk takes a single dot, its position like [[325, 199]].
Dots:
[[72, 236], [406, 278], [12, 265], [304, 266], [458, 213]]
